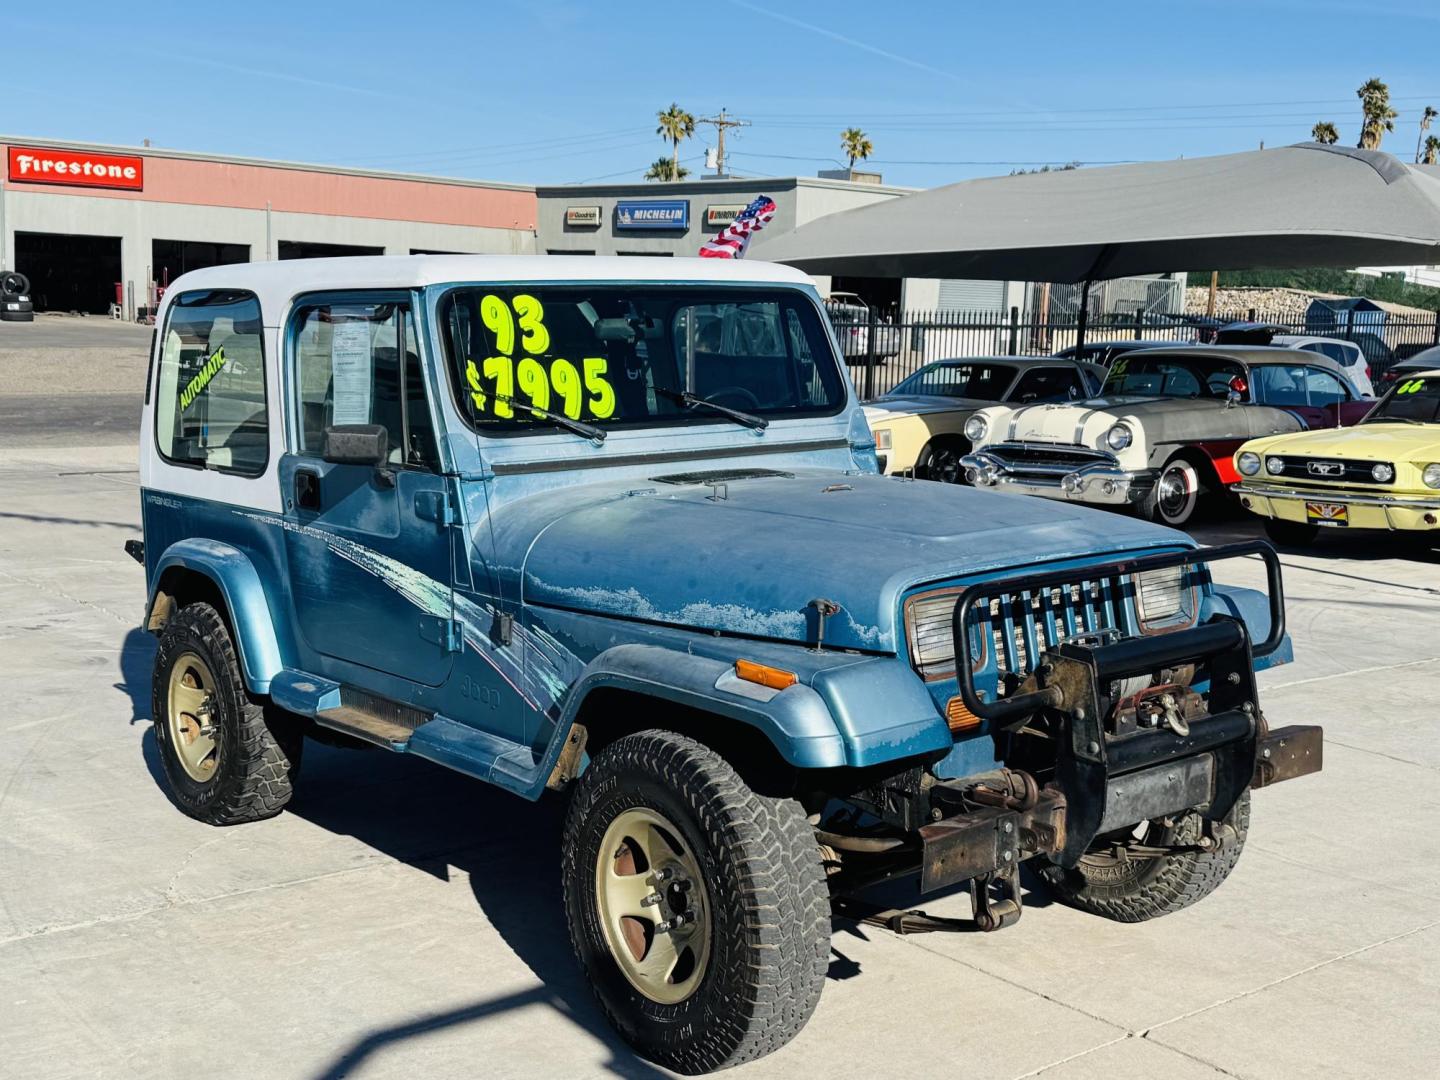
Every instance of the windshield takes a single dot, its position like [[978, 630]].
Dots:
[[985, 382], [1170, 375], [1413, 399], [614, 356]]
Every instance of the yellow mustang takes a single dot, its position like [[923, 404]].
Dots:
[[1384, 473], [919, 426]]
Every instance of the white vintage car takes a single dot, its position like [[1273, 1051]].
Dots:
[[1163, 436]]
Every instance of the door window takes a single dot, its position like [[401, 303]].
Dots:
[[210, 391], [359, 363], [1049, 384], [1296, 384]]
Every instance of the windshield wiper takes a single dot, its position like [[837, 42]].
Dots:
[[579, 427], [1392, 420], [693, 401]]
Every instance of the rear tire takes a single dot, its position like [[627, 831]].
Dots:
[[1291, 533], [224, 760], [1137, 889], [743, 972], [940, 461]]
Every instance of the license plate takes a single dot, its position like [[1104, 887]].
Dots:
[[1335, 515]]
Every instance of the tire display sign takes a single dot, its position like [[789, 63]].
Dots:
[[653, 214], [583, 216], [76, 168]]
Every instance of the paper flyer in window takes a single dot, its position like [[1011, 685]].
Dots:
[[351, 365]]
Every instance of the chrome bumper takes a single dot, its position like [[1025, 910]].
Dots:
[[1098, 484], [1352, 498]]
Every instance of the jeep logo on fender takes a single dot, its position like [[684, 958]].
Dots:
[[1326, 468], [76, 168]]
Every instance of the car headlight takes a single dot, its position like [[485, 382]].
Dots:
[[1119, 437], [1248, 463], [1431, 475], [1164, 599], [929, 626], [1275, 465], [975, 429], [882, 438], [1382, 473]]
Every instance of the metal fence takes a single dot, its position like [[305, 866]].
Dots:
[[882, 349]]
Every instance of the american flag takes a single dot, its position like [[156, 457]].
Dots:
[[732, 240]]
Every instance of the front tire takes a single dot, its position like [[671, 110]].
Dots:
[[224, 762], [1134, 889], [697, 907], [940, 461], [1180, 495]]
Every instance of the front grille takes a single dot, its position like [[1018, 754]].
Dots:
[[1020, 626], [1062, 457], [1329, 470]]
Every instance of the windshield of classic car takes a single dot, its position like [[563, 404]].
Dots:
[[1172, 376], [1415, 401], [612, 356], [984, 382]]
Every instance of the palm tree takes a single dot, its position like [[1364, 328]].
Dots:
[[855, 145], [1377, 117], [676, 125], [1425, 119], [666, 169], [1324, 132], [1431, 155]]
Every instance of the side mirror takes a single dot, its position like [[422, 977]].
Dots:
[[1232, 399], [357, 444]]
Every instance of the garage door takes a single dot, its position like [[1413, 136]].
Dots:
[[965, 294], [69, 272]]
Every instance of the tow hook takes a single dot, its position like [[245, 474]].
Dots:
[[995, 899]]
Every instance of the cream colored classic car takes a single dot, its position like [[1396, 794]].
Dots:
[[919, 426]]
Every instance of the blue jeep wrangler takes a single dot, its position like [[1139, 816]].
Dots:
[[614, 528]]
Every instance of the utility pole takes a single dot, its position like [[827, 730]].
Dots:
[[720, 123]]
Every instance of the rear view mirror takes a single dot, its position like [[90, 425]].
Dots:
[[619, 330], [356, 444]]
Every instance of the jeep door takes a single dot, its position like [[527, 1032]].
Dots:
[[368, 546]]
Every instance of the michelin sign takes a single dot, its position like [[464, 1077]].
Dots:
[[653, 214]]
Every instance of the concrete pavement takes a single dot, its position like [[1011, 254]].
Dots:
[[401, 921]]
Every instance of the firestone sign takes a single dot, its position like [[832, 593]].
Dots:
[[76, 168]]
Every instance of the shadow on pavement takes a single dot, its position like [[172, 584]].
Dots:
[[433, 819]]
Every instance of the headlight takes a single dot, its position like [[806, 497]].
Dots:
[[1119, 437], [1163, 599], [882, 438], [1248, 463], [1275, 465], [1431, 475], [975, 429], [930, 629], [1382, 473]]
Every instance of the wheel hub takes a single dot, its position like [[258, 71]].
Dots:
[[190, 701], [651, 900]]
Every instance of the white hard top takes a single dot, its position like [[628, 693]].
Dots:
[[277, 282]]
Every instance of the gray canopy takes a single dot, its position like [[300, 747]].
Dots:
[[1305, 205]]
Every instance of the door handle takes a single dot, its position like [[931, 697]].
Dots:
[[307, 489]]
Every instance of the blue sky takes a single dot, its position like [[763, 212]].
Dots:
[[554, 92]]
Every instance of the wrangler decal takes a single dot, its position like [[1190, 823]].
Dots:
[[202, 378]]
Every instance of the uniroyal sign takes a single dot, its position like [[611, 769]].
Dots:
[[77, 168]]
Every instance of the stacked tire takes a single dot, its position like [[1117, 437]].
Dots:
[[15, 303]]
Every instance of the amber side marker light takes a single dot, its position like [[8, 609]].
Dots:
[[959, 717], [775, 678]]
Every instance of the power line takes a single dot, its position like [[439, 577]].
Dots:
[[628, 172]]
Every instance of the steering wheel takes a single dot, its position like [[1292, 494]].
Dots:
[[747, 399]]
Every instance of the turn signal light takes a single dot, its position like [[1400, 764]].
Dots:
[[774, 678], [959, 717]]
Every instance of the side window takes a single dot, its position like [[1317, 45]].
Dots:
[[210, 390], [1049, 384], [1323, 388], [360, 364]]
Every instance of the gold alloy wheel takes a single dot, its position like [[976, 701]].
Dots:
[[652, 905], [192, 731]]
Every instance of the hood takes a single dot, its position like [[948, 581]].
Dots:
[[889, 408], [751, 562], [1366, 442]]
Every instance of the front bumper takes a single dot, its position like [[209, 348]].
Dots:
[[1366, 510], [1101, 483]]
